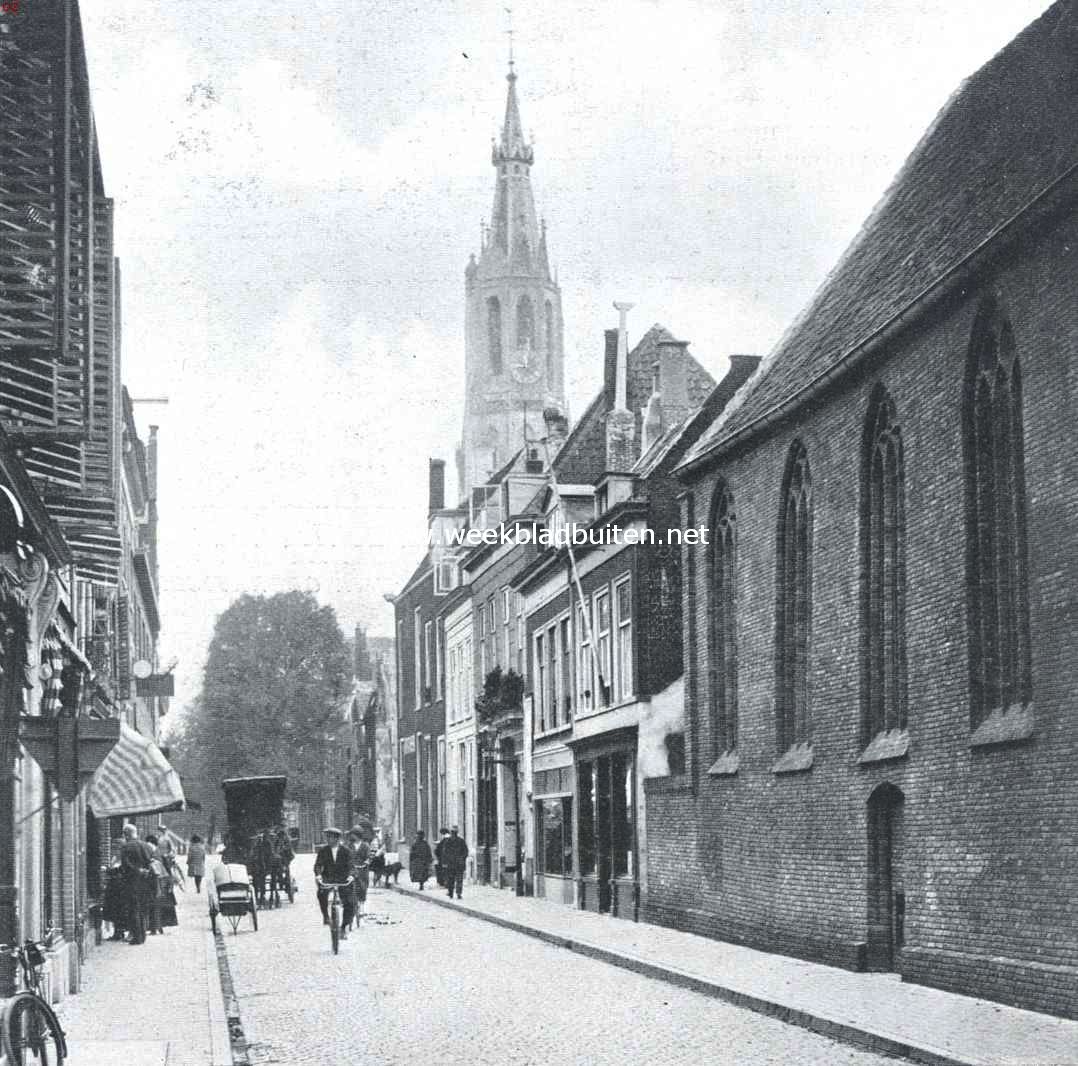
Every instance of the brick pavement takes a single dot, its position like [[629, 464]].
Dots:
[[153, 1005], [877, 1010], [421, 983]]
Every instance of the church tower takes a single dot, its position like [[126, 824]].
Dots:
[[514, 359]]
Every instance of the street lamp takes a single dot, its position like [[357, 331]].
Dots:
[[487, 742]]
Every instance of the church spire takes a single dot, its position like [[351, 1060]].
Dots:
[[512, 148]]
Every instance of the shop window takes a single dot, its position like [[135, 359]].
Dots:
[[555, 825]]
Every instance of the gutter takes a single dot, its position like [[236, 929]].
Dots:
[[1048, 203]]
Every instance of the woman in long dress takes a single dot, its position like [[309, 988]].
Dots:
[[420, 859]]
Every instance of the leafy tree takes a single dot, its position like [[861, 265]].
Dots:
[[271, 699]]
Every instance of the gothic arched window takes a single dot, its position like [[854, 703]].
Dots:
[[525, 323], [997, 575], [883, 572], [551, 340], [494, 333], [793, 602], [723, 647]]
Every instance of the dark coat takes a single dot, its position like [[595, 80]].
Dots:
[[196, 860], [334, 872], [454, 852], [419, 861]]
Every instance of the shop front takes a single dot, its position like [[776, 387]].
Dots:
[[608, 873], [553, 792]]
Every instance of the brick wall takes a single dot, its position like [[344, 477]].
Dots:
[[989, 835]]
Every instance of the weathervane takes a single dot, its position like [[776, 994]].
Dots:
[[509, 34]]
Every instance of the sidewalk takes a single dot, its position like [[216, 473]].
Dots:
[[153, 1005], [878, 1011]]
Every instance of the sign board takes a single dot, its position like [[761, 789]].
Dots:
[[163, 685]]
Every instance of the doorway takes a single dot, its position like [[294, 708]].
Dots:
[[886, 891]]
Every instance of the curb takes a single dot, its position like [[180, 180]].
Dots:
[[842, 1032], [220, 1039], [235, 1040]]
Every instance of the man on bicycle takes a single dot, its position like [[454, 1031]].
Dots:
[[333, 864]]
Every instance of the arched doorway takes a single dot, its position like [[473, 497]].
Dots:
[[886, 891]]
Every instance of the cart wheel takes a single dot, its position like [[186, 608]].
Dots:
[[254, 915]]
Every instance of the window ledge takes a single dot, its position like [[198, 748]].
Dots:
[[793, 760], [726, 765], [1008, 725], [568, 728], [894, 744]]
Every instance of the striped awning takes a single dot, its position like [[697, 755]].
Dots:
[[135, 778]]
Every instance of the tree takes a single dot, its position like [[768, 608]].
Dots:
[[275, 681]]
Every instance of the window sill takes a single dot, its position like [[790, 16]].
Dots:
[[1009, 725], [625, 701], [567, 728], [894, 744], [726, 765], [793, 760]]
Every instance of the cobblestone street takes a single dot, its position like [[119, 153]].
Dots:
[[421, 981]]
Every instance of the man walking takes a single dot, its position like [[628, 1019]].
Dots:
[[454, 857], [333, 864]]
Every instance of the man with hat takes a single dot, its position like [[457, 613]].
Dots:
[[454, 857], [333, 864]]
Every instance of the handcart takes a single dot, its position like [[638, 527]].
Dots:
[[232, 895]]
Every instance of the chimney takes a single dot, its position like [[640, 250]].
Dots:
[[610, 367], [652, 415], [151, 463], [620, 421], [620, 380], [436, 498], [674, 380]]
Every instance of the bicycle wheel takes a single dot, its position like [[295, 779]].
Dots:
[[32, 1033], [335, 926]]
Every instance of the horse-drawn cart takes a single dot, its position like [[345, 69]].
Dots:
[[255, 810]]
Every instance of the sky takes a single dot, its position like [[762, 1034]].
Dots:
[[299, 186]]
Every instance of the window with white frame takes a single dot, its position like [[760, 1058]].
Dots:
[[521, 644], [428, 664], [505, 627], [439, 659], [603, 646], [466, 668], [585, 666], [540, 674], [417, 638], [624, 640], [566, 679], [553, 681]]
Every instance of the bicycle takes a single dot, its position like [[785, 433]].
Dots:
[[30, 1031], [333, 909]]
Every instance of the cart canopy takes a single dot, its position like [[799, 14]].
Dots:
[[254, 803]]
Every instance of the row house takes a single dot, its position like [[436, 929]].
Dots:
[[603, 705], [881, 747], [78, 575]]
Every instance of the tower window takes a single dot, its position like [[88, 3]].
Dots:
[[525, 324], [494, 333], [996, 571], [883, 573], [551, 341], [793, 602]]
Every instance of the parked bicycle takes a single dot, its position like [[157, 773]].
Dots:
[[333, 909], [29, 1029]]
